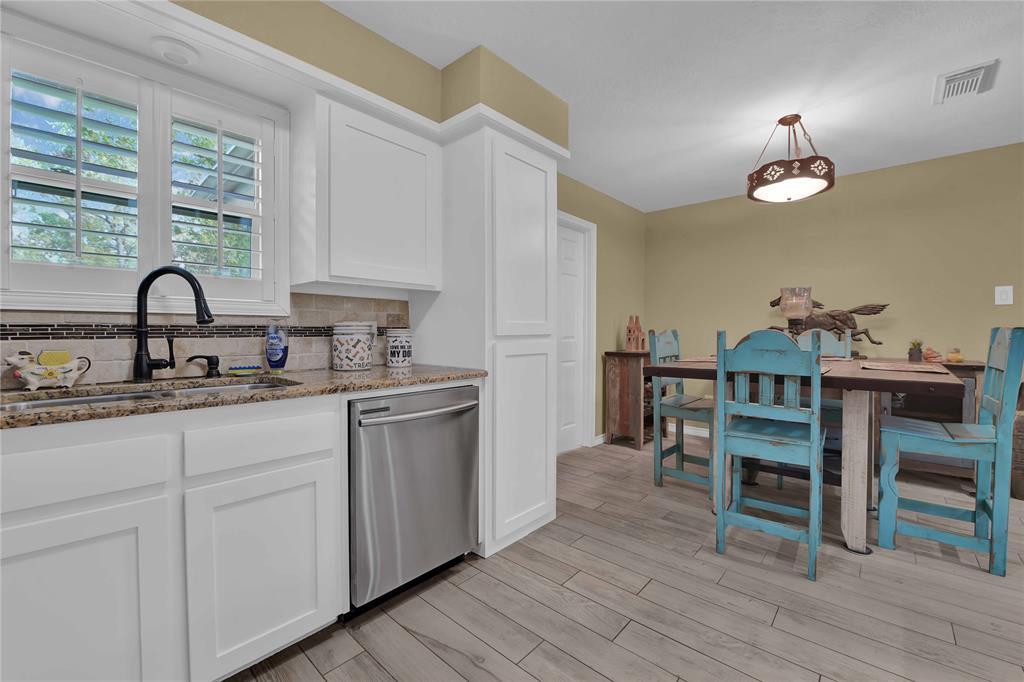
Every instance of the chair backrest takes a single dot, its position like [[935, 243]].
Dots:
[[831, 347], [1002, 380], [766, 354], [664, 347]]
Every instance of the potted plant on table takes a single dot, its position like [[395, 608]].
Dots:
[[914, 354]]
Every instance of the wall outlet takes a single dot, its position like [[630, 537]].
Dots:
[[1004, 295]]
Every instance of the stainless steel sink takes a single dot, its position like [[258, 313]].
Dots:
[[139, 396]]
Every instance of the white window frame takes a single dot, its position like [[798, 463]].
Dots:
[[34, 286], [198, 110]]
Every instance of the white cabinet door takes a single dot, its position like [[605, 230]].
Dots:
[[525, 207], [524, 435], [85, 596], [261, 560], [385, 202]]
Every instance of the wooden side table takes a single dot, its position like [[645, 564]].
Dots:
[[627, 399]]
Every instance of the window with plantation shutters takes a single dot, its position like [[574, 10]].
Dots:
[[215, 200], [74, 175], [107, 175]]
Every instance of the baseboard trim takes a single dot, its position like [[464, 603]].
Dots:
[[599, 440]]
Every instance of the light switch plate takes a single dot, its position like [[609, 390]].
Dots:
[[1004, 295]]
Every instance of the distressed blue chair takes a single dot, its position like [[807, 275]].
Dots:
[[831, 347], [785, 433], [988, 443], [831, 408], [679, 406]]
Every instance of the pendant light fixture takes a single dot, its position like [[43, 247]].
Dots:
[[791, 179]]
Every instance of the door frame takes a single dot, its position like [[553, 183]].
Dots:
[[588, 402]]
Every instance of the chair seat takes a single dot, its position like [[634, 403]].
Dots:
[[769, 429], [950, 433], [682, 400]]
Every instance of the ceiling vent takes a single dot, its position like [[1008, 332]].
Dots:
[[973, 80]]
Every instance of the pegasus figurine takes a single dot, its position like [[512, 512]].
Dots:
[[836, 321]]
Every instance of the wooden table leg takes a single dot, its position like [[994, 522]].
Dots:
[[856, 458]]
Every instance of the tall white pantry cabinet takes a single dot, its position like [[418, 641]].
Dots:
[[497, 310]]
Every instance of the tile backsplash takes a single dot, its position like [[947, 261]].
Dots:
[[108, 338]]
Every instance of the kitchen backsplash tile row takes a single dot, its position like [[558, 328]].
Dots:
[[108, 338], [20, 332]]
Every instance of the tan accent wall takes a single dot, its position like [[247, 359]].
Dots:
[[318, 35], [461, 84], [932, 239], [620, 267], [482, 76]]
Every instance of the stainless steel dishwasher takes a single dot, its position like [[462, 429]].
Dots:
[[413, 463]]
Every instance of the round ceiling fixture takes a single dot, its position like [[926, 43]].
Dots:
[[175, 51], [791, 179]]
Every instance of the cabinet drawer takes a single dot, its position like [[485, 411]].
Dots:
[[38, 477], [227, 447]]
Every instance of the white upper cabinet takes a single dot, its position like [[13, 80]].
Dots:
[[525, 204], [367, 202]]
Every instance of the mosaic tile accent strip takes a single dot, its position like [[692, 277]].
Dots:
[[57, 332]]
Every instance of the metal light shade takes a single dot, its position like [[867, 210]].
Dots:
[[791, 179]]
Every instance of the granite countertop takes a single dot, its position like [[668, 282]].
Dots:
[[300, 384]]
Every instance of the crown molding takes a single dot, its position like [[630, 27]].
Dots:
[[192, 27]]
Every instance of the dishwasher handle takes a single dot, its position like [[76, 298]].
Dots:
[[423, 414]]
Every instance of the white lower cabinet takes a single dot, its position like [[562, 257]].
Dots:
[[261, 564], [176, 546], [85, 595], [524, 435]]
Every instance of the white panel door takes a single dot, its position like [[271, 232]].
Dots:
[[524, 434], [571, 309], [85, 596], [261, 564], [525, 206], [385, 202]]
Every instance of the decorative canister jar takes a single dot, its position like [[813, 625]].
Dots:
[[352, 348], [399, 347]]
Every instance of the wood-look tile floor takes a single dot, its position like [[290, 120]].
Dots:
[[625, 585]]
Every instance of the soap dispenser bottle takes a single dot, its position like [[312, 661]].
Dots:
[[277, 347]]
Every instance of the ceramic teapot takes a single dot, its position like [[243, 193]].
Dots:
[[58, 369]]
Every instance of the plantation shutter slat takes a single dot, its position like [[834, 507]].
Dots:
[[66, 213]]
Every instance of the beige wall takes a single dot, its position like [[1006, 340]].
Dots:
[[318, 35], [315, 33], [482, 76], [932, 239], [620, 267]]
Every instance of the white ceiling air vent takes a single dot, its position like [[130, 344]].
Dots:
[[973, 80]]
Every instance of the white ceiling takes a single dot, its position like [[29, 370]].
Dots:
[[670, 102]]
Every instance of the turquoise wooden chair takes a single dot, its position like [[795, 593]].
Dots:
[[679, 406], [988, 443], [785, 433], [831, 408], [831, 347]]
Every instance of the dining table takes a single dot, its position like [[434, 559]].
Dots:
[[859, 380]]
